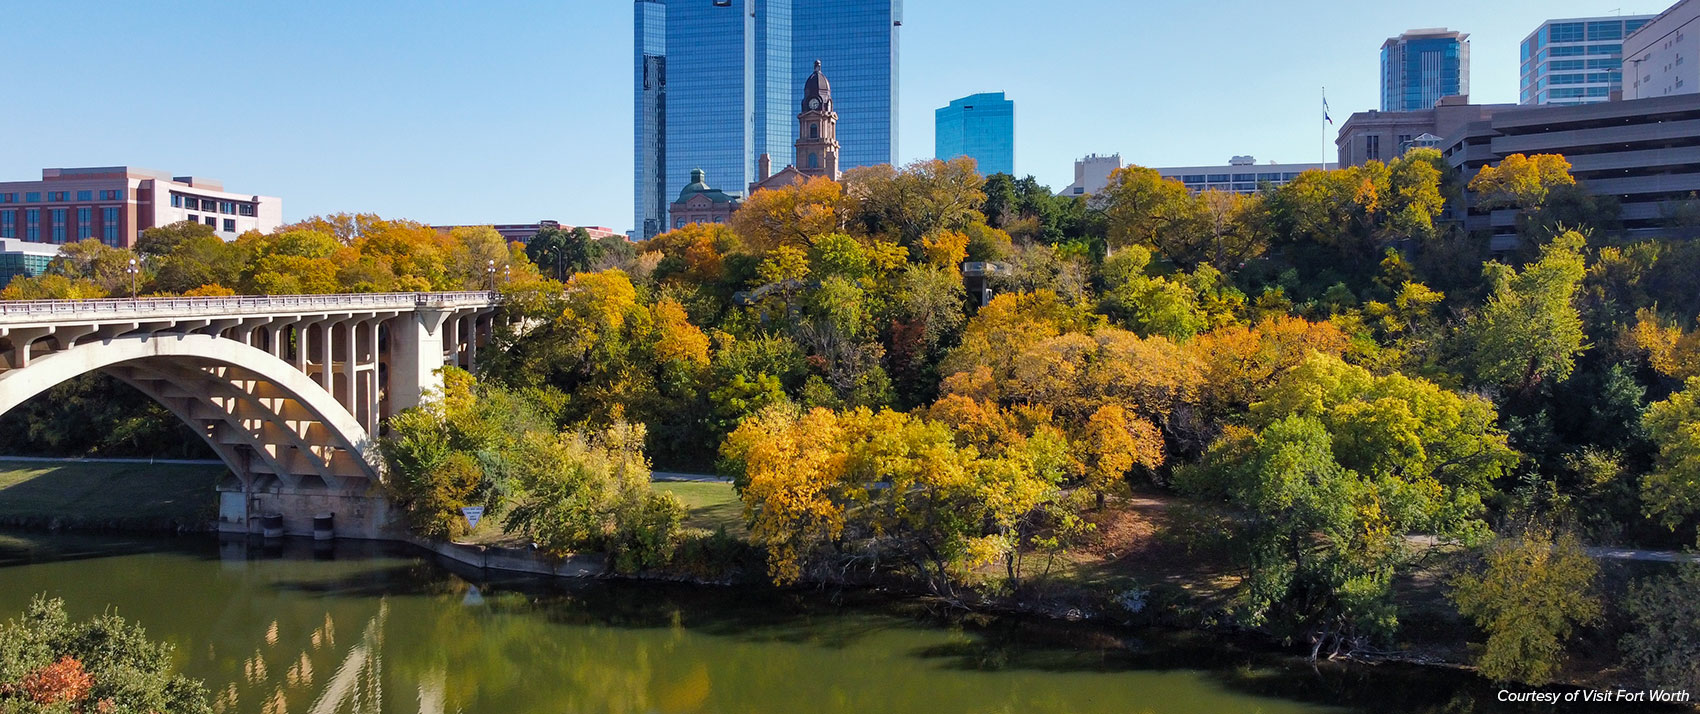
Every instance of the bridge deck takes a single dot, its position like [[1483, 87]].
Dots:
[[18, 313]]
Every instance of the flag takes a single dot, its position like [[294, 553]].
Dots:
[[1325, 116]]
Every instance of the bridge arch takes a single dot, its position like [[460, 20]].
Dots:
[[287, 390], [265, 419]]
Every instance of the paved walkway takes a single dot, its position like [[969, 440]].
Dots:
[[682, 476], [1598, 551], [98, 460]]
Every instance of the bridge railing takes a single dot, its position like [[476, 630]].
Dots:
[[242, 304]]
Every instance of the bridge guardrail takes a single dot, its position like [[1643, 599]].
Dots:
[[242, 303]]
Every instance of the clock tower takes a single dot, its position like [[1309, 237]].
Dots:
[[817, 129]]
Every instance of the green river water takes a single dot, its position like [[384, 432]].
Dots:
[[368, 628]]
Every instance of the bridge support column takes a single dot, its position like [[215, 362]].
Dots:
[[416, 355]]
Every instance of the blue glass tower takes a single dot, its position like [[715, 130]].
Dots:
[[981, 127], [717, 84], [1575, 61], [1421, 66], [856, 42]]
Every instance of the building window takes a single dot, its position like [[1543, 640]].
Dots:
[[814, 161], [228, 207], [85, 223], [58, 225], [194, 218], [213, 222], [1372, 146], [85, 195], [61, 196], [8, 223], [192, 203], [229, 225], [814, 131], [32, 196], [109, 225], [678, 223], [176, 201], [246, 209], [32, 224]]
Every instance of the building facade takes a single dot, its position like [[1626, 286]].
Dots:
[[1091, 174], [1242, 174], [1660, 55], [715, 83], [700, 203], [1421, 66], [816, 146], [978, 126], [114, 204], [1382, 136], [1644, 152], [19, 259], [1576, 60]]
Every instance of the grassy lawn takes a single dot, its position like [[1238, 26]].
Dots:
[[98, 493], [708, 505]]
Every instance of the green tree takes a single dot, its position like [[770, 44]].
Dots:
[[1663, 642], [1671, 492], [1531, 593], [1337, 468], [591, 491], [50, 665], [1530, 331]]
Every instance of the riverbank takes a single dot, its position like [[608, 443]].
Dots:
[[1130, 574], [122, 495]]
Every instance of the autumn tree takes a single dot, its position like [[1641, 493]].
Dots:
[[920, 199], [1520, 181], [1146, 209], [1531, 593], [1670, 350], [48, 663], [1239, 361], [791, 215], [822, 487]]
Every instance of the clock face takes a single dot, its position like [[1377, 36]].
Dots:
[[814, 102]]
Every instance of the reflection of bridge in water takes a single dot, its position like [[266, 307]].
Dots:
[[288, 390]]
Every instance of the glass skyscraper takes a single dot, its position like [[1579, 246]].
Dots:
[[717, 83], [1576, 61], [1421, 66], [981, 127]]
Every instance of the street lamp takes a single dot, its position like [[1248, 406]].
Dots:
[[135, 271], [491, 269]]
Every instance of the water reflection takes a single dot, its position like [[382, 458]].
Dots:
[[281, 628]]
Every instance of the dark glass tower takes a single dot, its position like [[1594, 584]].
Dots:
[[717, 83]]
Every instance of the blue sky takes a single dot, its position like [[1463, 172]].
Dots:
[[507, 111]]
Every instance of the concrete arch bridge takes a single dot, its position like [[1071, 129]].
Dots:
[[289, 390]]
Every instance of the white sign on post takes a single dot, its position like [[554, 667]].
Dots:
[[473, 514]]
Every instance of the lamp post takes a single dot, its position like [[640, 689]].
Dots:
[[491, 269], [135, 271]]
